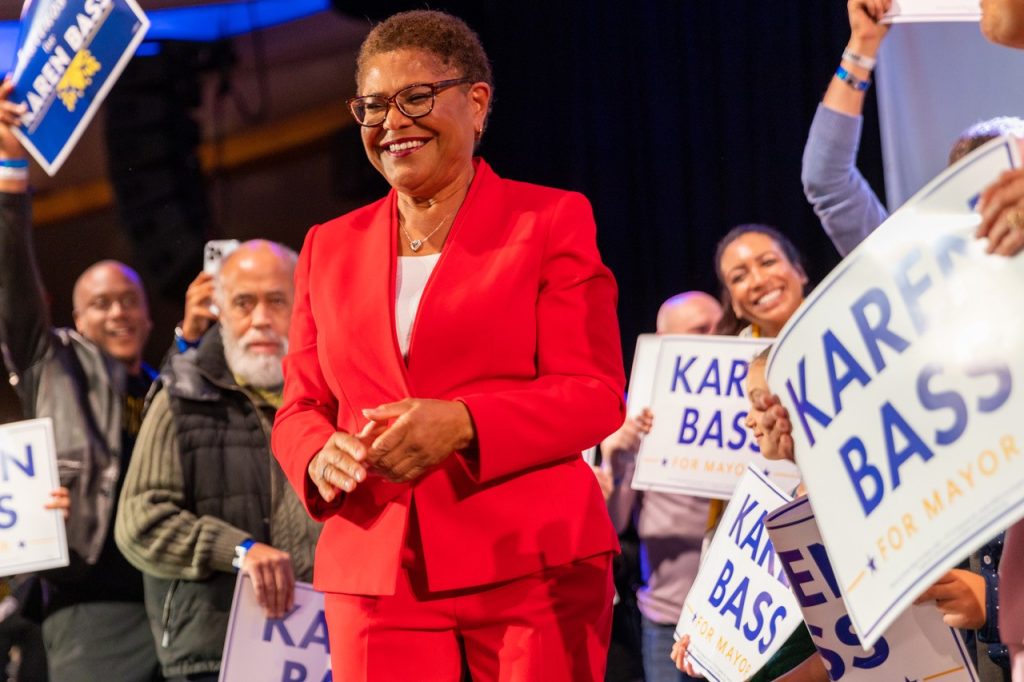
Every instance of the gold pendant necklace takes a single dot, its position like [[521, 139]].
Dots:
[[417, 244]]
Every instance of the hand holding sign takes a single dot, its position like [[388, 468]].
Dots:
[[60, 499], [1002, 214], [273, 580], [960, 597]]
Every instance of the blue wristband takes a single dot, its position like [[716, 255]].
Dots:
[[181, 342], [13, 163], [851, 80], [241, 549]]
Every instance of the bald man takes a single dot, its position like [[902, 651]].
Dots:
[[671, 527], [91, 381], [203, 495]]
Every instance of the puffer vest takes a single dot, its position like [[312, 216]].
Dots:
[[224, 445]]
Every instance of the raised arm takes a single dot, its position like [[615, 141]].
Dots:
[[24, 319], [848, 208]]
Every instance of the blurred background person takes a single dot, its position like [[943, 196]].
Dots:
[[670, 526]]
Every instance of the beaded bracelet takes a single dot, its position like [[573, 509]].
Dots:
[[856, 83], [859, 59]]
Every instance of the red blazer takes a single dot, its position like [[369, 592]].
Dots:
[[518, 322]]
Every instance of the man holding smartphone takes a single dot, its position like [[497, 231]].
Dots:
[[203, 496]]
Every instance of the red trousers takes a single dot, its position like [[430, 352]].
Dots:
[[552, 626]]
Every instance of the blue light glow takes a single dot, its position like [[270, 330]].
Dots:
[[200, 23]]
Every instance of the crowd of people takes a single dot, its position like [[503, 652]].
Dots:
[[389, 413]]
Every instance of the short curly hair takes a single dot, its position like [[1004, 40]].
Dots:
[[447, 37]]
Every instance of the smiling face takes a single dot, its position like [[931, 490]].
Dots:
[[110, 310], [764, 285], [423, 157]]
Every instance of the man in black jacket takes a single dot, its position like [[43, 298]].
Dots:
[[92, 382]]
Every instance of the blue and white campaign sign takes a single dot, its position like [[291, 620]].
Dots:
[[915, 646], [70, 53], [903, 376], [740, 609], [31, 537], [699, 444], [291, 649]]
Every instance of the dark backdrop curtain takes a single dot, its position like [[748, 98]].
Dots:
[[678, 119]]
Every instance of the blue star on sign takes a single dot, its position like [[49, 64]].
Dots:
[[664, 462], [873, 568], [21, 544], [694, 617]]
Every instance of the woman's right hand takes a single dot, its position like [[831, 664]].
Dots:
[[338, 467], [678, 655], [866, 31]]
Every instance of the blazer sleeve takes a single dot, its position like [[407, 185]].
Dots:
[[576, 399], [307, 415]]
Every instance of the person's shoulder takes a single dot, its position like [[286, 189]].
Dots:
[[527, 196]]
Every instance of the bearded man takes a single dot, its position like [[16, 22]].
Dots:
[[203, 495]]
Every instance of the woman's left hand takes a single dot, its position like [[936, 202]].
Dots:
[[420, 434], [1002, 214]]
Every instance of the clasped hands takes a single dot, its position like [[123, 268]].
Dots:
[[400, 442]]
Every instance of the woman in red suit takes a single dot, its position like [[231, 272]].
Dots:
[[454, 347]]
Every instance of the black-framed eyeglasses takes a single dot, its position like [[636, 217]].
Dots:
[[415, 101]]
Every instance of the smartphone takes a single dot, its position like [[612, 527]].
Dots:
[[215, 251]]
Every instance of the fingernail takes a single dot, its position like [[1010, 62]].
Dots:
[[367, 412], [360, 475]]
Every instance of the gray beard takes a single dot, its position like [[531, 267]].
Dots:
[[256, 370]]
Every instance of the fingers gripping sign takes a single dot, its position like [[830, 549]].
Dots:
[[273, 580]]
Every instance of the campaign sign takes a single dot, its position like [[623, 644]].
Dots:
[[699, 444], [740, 609], [916, 11], [641, 376], [70, 53], [31, 537], [903, 376], [915, 646], [291, 649]]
